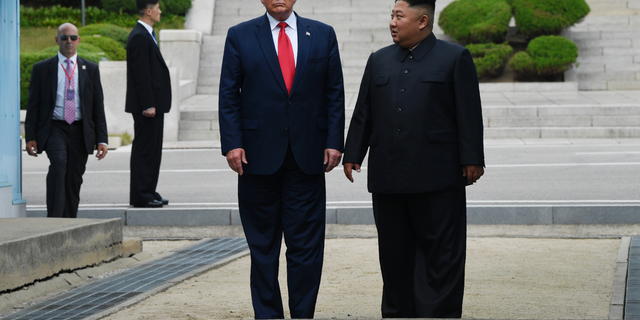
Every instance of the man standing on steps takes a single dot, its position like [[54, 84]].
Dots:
[[148, 99], [281, 111], [65, 118], [419, 115]]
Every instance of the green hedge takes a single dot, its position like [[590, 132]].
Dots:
[[56, 15], [177, 7], [112, 49], [545, 56], [114, 32], [174, 7], [547, 17], [490, 58], [27, 60], [120, 6], [476, 21]]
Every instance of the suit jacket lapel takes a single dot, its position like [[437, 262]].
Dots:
[[304, 48], [53, 71], [83, 78], [265, 39]]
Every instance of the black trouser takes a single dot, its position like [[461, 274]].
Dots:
[[422, 246], [146, 155], [68, 159]]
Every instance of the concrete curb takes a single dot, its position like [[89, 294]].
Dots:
[[616, 310], [363, 215]]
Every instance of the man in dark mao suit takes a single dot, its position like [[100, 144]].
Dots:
[[282, 127], [65, 118], [148, 99], [419, 115]]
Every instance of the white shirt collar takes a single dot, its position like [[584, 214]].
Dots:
[[291, 21], [146, 26], [62, 58]]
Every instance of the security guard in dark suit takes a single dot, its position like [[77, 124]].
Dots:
[[419, 115]]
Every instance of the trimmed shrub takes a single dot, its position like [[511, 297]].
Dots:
[[120, 6], [114, 32], [57, 15], [476, 21], [27, 60], [177, 7], [545, 56], [490, 58], [114, 50], [547, 17], [85, 50]]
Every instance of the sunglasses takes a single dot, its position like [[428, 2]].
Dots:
[[64, 37]]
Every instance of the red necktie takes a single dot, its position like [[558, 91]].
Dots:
[[285, 57]]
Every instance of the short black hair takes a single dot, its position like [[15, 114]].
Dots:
[[431, 4], [142, 5]]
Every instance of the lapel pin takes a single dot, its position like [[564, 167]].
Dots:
[[84, 67], [308, 34]]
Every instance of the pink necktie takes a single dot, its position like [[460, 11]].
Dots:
[[69, 98], [285, 57]]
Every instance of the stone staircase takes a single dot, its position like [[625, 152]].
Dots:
[[609, 42], [609, 46]]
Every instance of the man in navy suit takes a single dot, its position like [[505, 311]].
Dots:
[[65, 118], [148, 99], [419, 115], [281, 112]]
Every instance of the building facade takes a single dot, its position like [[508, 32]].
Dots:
[[11, 203]]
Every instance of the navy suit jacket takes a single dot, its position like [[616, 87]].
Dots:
[[42, 102], [256, 112], [419, 114]]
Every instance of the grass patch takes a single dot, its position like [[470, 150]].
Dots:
[[34, 39]]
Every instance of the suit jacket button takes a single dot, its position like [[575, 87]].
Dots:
[[398, 131], [286, 128], [289, 102], [399, 109], [406, 71], [401, 90]]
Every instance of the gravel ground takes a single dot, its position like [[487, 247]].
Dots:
[[507, 278]]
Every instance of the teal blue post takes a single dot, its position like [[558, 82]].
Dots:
[[11, 203]]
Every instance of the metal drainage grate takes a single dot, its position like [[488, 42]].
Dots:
[[632, 300], [103, 294]]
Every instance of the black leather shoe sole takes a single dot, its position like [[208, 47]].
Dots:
[[152, 204]]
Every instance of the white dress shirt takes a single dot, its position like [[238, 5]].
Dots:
[[291, 31], [149, 29], [58, 111]]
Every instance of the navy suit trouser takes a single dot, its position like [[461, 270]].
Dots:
[[422, 246], [67, 162], [292, 203]]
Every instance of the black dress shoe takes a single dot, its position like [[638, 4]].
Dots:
[[164, 201], [152, 204]]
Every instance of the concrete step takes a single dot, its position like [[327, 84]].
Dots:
[[562, 111], [563, 121], [33, 249], [198, 135], [567, 133]]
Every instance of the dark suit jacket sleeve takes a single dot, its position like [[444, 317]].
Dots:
[[360, 126], [229, 107], [33, 104], [468, 111], [138, 54], [334, 92], [99, 118]]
